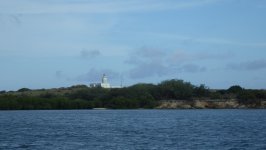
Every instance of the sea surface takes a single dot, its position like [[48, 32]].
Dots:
[[133, 129]]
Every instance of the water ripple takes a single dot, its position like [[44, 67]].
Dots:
[[133, 129]]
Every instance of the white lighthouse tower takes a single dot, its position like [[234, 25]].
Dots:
[[105, 83]]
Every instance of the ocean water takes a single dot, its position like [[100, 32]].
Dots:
[[133, 129]]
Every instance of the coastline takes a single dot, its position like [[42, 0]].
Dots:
[[208, 104], [179, 104]]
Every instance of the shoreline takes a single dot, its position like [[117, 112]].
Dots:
[[208, 104], [134, 109]]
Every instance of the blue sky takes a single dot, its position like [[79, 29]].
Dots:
[[59, 43]]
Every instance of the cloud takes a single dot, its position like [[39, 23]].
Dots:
[[192, 68], [147, 62], [94, 75], [11, 18], [182, 56], [115, 6], [148, 70], [188, 40], [145, 54], [160, 70], [220, 41], [16, 18], [152, 53], [59, 74], [249, 65], [150, 62], [89, 54]]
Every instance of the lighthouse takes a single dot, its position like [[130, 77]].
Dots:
[[105, 83]]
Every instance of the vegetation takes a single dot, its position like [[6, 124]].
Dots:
[[137, 96], [10, 102]]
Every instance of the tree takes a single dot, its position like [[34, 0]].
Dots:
[[24, 90], [2, 92], [201, 91], [236, 89], [176, 89], [248, 97]]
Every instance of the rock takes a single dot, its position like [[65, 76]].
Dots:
[[199, 104]]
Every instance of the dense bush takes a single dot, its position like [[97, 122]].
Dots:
[[136, 96], [9, 102], [23, 90], [175, 89], [236, 89], [248, 97], [201, 91]]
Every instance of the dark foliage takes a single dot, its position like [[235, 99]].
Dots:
[[2, 92], [236, 89], [137, 96], [9, 102], [201, 91], [175, 89], [248, 97], [24, 90]]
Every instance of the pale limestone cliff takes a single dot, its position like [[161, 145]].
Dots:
[[202, 104]]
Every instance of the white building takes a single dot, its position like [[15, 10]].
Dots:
[[104, 83]]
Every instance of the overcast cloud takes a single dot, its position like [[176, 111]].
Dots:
[[89, 54], [248, 65]]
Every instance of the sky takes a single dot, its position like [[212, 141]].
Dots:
[[60, 43]]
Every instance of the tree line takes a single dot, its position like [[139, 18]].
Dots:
[[140, 95]]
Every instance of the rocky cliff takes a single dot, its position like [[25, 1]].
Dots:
[[203, 104]]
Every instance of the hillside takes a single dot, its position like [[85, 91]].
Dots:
[[182, 95]]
